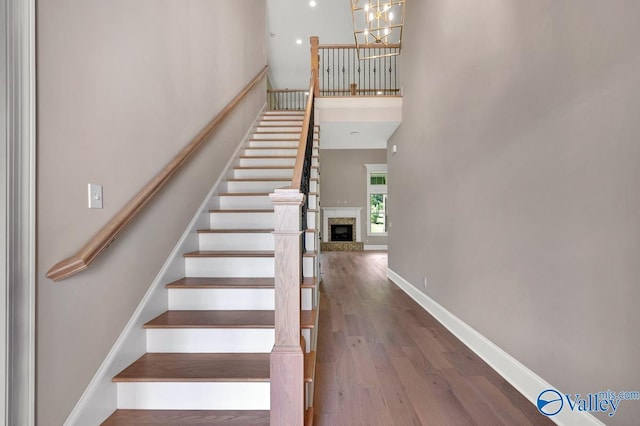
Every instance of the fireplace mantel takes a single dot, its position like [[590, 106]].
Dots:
[[329, 212]]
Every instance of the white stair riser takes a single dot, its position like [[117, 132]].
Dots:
[[273, 143], [291, 135], [236, 241], [310, 241], [262, 162], [275, 151], [256, 186], [281, 122], [263, 173], [238, 267], [313, 201], [215, 340], [242, 220], [230, 299], [194, 395], [314, 186], [277, 144], [312, 220], [245, 202], [275, 127], [280, 113]]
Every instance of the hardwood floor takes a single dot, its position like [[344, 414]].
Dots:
[[383, 360]]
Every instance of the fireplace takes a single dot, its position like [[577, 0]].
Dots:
[[340, 229], [341, 232]]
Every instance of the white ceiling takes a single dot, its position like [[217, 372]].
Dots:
[[289, 20]]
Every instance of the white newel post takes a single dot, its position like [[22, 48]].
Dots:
[[287, 357]]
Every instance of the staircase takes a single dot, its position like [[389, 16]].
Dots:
[[207, 359]]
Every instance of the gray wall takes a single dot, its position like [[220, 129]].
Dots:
[[123, 86], [343, 181], [515, 186]]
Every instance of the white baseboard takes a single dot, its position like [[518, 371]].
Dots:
[[99, 399], [519, 376], [375, 247]]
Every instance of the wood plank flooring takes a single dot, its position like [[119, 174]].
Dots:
[[383, 360]]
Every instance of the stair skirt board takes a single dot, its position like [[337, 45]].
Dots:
[[194, 395], [239, 267], [215, 340], [230, 299]]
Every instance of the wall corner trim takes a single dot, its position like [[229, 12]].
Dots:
[[519, 376]]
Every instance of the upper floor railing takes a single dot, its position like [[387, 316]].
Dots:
[[342, 74], [339, 72]]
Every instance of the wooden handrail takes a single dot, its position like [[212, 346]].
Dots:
[[88, 253], [362, 46], [296, 181]]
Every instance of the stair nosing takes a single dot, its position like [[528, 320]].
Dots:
[[307, 320], [232, 282]]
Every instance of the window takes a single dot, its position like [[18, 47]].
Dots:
[[377, 196]]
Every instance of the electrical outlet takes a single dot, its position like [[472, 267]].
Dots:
[[424, 282]]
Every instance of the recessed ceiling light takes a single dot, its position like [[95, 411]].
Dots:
[[312, 3], [299, 41]]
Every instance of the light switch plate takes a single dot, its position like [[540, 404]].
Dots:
[[95, 196]]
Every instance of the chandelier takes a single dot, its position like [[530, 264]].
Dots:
[[377, 24]]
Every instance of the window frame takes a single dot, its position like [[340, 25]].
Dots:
[[373, 169]]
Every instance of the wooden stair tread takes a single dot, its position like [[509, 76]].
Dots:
[[197, 367], [267, 167], [224, 319], [237, 253], [264, 179], [217, 282], [277, 140], [124, 417], [262, 167], [243, 194], [242, 211], [266, 157], [235, 231], [204, 367], [280, 132]]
